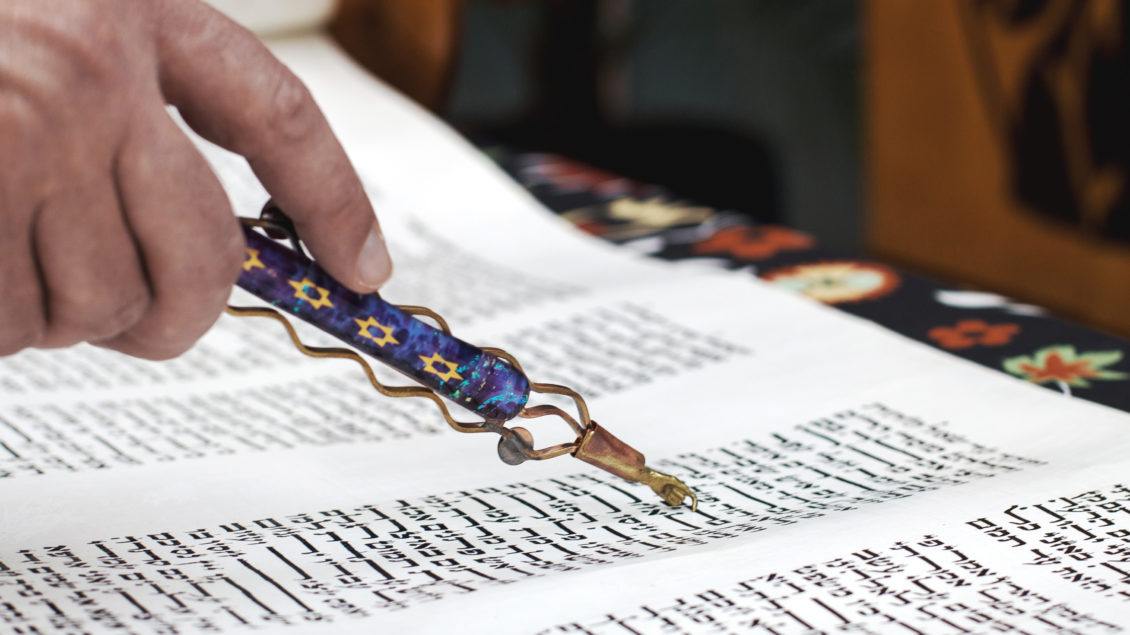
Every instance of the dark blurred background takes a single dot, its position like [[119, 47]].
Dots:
[[732, 103], [983, 142]]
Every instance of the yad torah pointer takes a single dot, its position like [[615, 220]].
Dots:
[[486, 381]]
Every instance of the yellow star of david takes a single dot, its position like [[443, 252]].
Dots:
[[252, 260], [370, 323], [451, 366], [300, 293]]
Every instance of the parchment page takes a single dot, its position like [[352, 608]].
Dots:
[[848, 478]]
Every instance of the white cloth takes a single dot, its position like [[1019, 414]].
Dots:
[[274, 17]]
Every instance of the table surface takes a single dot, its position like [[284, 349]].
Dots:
[[991, 330]]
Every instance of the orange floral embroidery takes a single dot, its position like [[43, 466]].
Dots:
[[835, 282], [969, 333], [753, 243], [1063, 365], [593, 227], [1056, 369]]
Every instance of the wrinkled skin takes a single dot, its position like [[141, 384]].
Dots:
[[113, 230]]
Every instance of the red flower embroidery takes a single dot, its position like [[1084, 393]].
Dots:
[[1063, 365], [593, 227], [753, 243], [968, 333], [1056, 369]]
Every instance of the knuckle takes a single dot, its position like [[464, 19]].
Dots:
[[161, 351], [178, 326], [342, 211], [197, 305], [147, 347], [77, 47], [16, 338], [22, 319], [97, 312], [290, 112], [127, 313], [22, 118], [88, 37], [25, 126], [219, 268], [74, 305], [337, 213], [187, 301], [166, 335]]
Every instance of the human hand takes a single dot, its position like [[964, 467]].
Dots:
[[113, 229]]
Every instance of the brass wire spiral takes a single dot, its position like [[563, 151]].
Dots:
[[280, 224], [592, 444]]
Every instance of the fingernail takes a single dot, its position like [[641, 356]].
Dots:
[[375, 266]]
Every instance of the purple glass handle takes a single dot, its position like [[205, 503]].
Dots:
[[465, 374]]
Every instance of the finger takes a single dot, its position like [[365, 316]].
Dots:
[[22, 321], [93, 283], [232, 91], [189, 240]]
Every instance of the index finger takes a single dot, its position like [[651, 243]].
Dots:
[[233, 92]]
